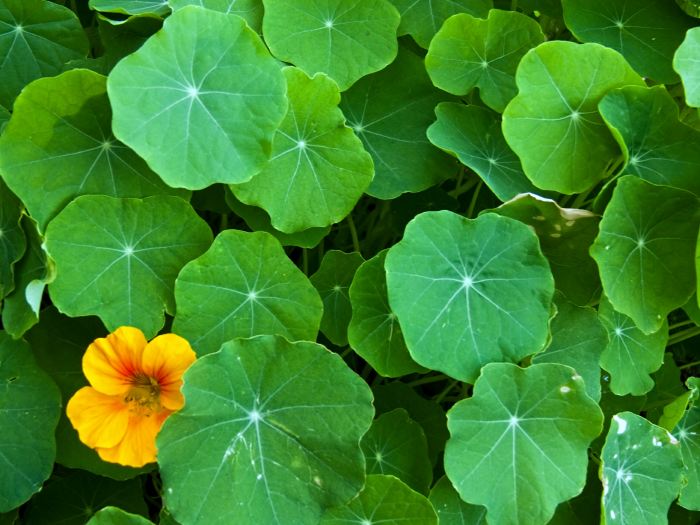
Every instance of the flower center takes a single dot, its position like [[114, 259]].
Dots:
[[144, 395]]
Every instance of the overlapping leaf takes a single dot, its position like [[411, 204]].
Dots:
[[131, 7], [116, 516], [13, 242], [687, 432], [469, 292], [453, 510], [243, 286], [685, 62], [282, 423], [250, 10], [180, 100]]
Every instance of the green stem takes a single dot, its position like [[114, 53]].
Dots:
[[680, 324], [441, 395], [580, 199], [475, 196], [689, 365], [513, 5], [464, 187], [353, 234], [682, 336], [427, 380], [345, 352], [305, 261]]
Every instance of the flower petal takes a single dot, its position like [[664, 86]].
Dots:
[[101, 420], [166, 358], [111, 363], [138, 447]]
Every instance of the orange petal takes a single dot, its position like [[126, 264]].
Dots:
[[165, 359], [101, 420], [110, 363], [138, 447]]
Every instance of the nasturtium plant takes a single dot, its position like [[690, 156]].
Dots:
[[399, 261]]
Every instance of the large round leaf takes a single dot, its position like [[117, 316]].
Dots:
[[469, 52], [688, 434], [645, 250], [118, 258], [13, 242], [200, 100], [519, 445], [657, 146], [36, 39], [250, 10], [243, 286], [469, 292], [346, 39], [384, 499], [553, 123], [29, 408], [685, 62], [473, 134], [59, 145], [453, 510], [646, 32], [319, 169], [390, 111], [282, 441], [641, 471]]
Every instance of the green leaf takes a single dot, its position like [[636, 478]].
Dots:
[[319, 169], [550, 7], [374, 332], [258, 219], [131, 7], [578, 339], [422, 20], [469, 292], [384, 499], [332, 280], [250, 10], [59, 145], [72, 498], [657, 146], [645, 250], [116, 516], [692, 7], [243, 286], [120, 40], [685, 62], [687, 432], [584, 508], [662, 406], [473, 134], [13, 242], [451, 509], [29, 408], [519, 445], [181, 99], [553, 123], [390, 111], [565, 235], [469, 52], [58, 343], [4, 117], [395, 445], [646, 32], [118, 258], [38, 38], [282, 441], [641, 471], [346, 39], [631, 355]]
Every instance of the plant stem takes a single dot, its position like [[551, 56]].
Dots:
[[353, 234], [680, 324], [475, 196], [441, 395], [305, 261], [513, 5], [689, 365], [682, 336], [428, 379]]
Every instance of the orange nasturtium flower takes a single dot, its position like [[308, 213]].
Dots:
[[135, 386]]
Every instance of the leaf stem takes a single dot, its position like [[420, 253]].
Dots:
[[475, 196], [438, 398], [305, 260], [680, 324], [689, 365], [682, 336], [428, 379], [353, 234], [513, 5]]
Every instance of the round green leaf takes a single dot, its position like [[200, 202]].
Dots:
[[422, 20], [519, 445], [631, 355], [131, 7], [243, 286], [37, 39], [578, 339], [390, 111], [685, 62], [451, 509], [396, 445], [566, 235], [473, 134], [384, 499], [645, 250], [553, 123], [319, 169], [59, 145], [641, 471], [332, 280], [657, 146], [346, 39], [13, 242], [469, 292], [646, 32], [374, 333], [469, 52], [118, 258], [116, 516], [29, 408], [200, 100], [687, 432], [282, 441], [250, 10]]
